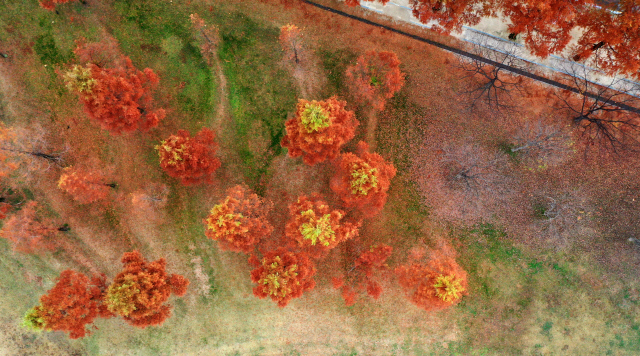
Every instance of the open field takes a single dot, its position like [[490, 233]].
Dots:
[[537, 285]]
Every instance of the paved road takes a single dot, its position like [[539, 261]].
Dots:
[[473, 56], [400, 10]]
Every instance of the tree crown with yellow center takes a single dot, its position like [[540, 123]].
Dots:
[[34, 319], [171, 149], [120, 297], [277, 277], [448, 288], [314, 118], [79, 79], [317, 229], [223, 219], [363, 178]]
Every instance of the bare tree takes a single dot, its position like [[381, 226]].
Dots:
[[494, 84], [27, 148], [470, 169], [542, 143], [464, 182], [560, 214], [607, 116]]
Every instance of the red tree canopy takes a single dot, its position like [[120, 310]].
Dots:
[[240, 221], [282, 275], [51, 4], [546, 24], [190, 159], [319, 129], [139, 292], [291, 42], [362, 277], [362, 180], [439, 284], [74, 302], [451, 15], [118, 98], [7, 159], [375, 78], [4, 209], [28, 231], [84, 186], [316, 228], [614, 38]]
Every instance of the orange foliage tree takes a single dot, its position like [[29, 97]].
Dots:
[[364, 274], [546, 24], [362, 180], [291, 42], [451, 15], [282, 275], [437, 285], [28, 231], [74, 302], [139, 292], [51, 4], [84, 186], [315, 227], [375, 78], [4, 209], [240, 221], [319, 129], [118, 98], [190, 159], [612, 38]]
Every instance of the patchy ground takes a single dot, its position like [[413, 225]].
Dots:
[[561, 279]]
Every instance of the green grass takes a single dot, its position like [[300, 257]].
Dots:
[[520, 304], [159, 36], [261, 93], [335, 63]]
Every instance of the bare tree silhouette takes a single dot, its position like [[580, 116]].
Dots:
[[495, 85], [602, 124]]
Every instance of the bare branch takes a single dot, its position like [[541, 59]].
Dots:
[[494, 84], [601, 122]]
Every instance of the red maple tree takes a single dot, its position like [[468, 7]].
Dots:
[[546, 24], [438, 284], [612, 38], [375, 78], [291, 42], [74, 302], [139, 292], [85, 186], [118, 98], [51, 4], [282, 275], [315, 227], [190, 159], [4, 209], [28, 231], [364, 275], [362, 180], [240, 221], [319, 129]]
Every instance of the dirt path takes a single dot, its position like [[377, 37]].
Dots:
[[372, 125], [308, 76], [222, 113]]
